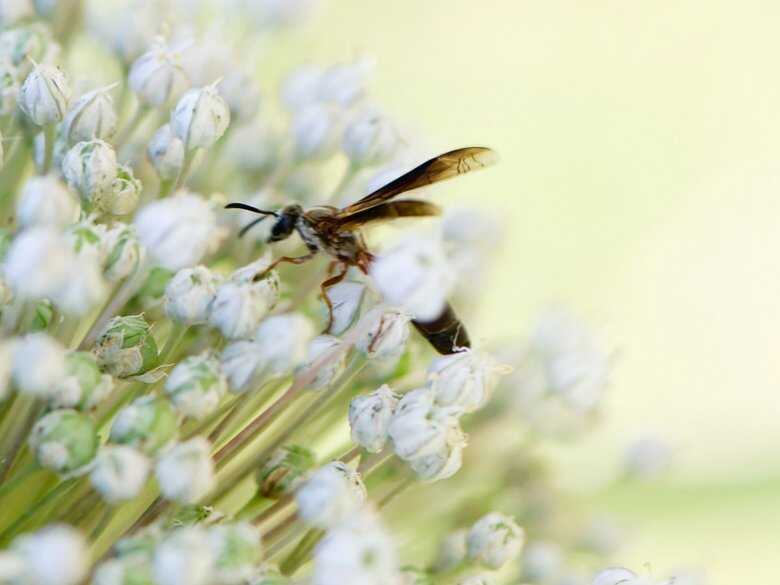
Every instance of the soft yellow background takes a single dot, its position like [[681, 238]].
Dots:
[[640, 173]]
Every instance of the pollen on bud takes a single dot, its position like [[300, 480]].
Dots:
[[64, 440], [200, 118], [369, 418], [44, 95]]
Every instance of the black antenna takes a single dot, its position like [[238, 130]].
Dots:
[[246, 207]]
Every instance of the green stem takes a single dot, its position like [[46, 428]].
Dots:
[[18, 478], [49, 135], [301, 552], [184, 173], [127, 132], [19, 524], [175, 337], [23, 413]]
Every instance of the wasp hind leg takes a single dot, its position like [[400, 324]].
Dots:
[[332, 281]]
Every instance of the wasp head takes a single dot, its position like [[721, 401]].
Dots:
[[285, 224]]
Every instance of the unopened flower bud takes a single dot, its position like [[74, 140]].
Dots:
[[46, 201], [85, 287], [119, 473], [92, 117], [44, 95], [90, 168], [176, 231], [464, 380], [541, 562], [38, 365], [283, 340], [418, 427], [369, 417], [123, 252], [615, 576], [157, 77], [200, 118], [414, 275], [148, 424], [284, 471], [386, 336], [443, 462], [330, 495], [54, 555], [452, 551], [345, 83], [38, 262], [346, 299], [134, 569], [370, 138], [236, 547], [318, 348], [242, 95], [196, 385], [123, 195], [185, 472], [301, 87], [184, 557], [166, 152], [189, 294], [64, 440], [84, 385], [126, 347], [494, 540], [315, 132], [241, 302], [27, 43]]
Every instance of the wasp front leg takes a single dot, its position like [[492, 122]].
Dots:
[[288, 259], [332, 281]]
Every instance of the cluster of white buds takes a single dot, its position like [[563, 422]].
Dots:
[[369, 418], [332, 494]]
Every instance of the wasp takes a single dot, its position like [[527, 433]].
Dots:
[[337, 232]]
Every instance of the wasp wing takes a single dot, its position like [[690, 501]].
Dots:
[[440, 168], [387, 211]]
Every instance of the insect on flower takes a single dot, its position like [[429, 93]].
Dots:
[[336, 232]]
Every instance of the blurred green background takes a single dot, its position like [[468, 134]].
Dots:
[[640, 181]]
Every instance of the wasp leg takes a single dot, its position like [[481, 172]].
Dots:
[[333, 280], [288, 259]]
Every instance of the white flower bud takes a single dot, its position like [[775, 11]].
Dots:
[[452, 551], [85, 286], [200, 118], [244, 364], [126, 347], [196, 385], [54, 555], [132, 569], [12, 11], [358, 551], [241, 303], [315, 131], [418, 427], [185, 472], [64, 440], [301, 87], [237, 552], [369, 417], [283, 341], [254, 148], [370, 138], [90, 168], [11, 567], [38, 365], [464, 380], [92, 117], [189, 294], [119, 473], [177, 230], [123, 252], [157, 77], [494, 540], [385, 338], [330, 495], [346, 299], [25, 44], [44, 95], [445, 461], [345, 83], [415, 275], [542, 562], [615, 576], [148, 423], [84, 385], [38, 263], [46, 201], [185, 557], [242, 95], [327, 373], [123, 195], [166, 152]]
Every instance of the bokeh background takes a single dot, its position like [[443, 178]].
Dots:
[[640, 181]]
